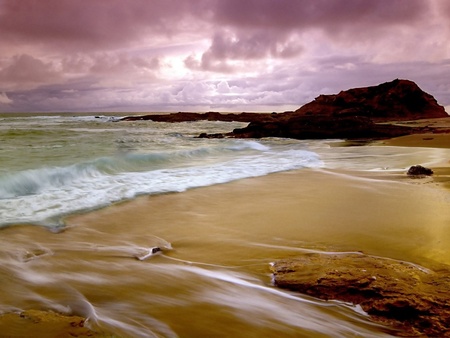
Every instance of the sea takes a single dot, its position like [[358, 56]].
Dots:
[[59, 165]]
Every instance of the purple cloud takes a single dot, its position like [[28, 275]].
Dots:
[[253, 54]]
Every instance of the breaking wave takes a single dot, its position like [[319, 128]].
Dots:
[[44, 195]]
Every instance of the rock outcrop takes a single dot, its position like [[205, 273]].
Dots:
[[395, 100], [209, 116], [351, 114], [321, 127], [410, 298]]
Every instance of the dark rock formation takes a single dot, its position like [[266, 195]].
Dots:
[[209, 116], [410, 298], [355, 113], [419, 171], [351, 114], [321, 127], [395, 100]]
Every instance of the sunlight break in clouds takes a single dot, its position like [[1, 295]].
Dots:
[[168, 55]]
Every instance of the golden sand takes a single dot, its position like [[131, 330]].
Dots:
[[431, 140], [438, 139], [420, 140]]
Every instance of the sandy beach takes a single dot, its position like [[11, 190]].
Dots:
[[248, 224], [439, 139], [379, 213]]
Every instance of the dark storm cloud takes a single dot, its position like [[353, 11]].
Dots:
[[257, 29], [100, 23], [330, 15], [27, 70], [96, 23]]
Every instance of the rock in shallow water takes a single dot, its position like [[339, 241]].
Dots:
[[36, 323], [418, 171], [400, 294]]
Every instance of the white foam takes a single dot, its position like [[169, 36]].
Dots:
[[46, 194]]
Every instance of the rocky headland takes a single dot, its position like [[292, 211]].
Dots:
[[395, 100], [359, 113]]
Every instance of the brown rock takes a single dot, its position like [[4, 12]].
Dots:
[[351, 114], [419, 171], [395, 100], [209, 116], [321, 127], [36, 323], [408, 297]]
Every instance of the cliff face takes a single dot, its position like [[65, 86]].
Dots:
[[395, 100]]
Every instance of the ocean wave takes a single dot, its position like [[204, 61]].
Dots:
[[31, 182], [36, 181], [45, 194]]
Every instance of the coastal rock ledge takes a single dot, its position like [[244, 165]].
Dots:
[[411, 299], [358, 113]]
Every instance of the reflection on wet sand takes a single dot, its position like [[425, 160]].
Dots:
[[212, 278]]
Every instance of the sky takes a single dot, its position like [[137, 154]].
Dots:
[[221, 55]]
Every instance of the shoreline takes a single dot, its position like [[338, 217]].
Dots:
[[430, 140], [437, 137], [310, 209]]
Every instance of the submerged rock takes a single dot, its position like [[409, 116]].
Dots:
[[419, 171], [37, 323], [410, 298]]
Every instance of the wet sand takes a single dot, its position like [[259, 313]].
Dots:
[[342, 210], [379, 213], [33, 323], [251, 222], [438, 139]]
